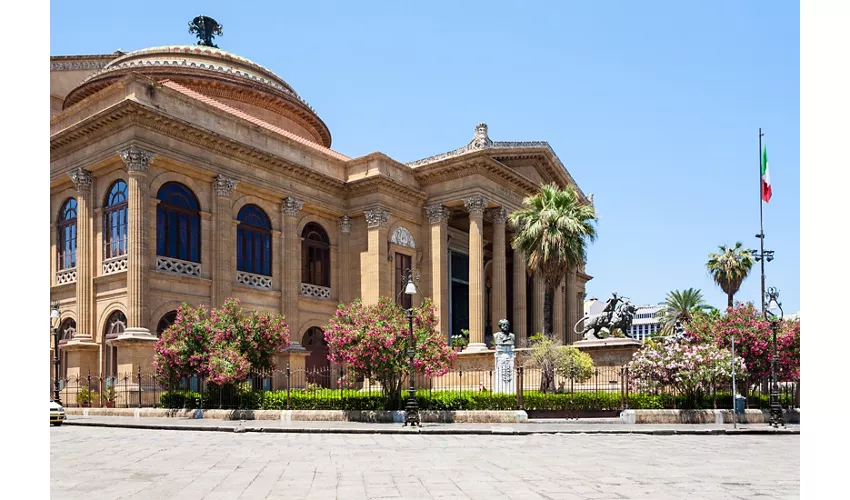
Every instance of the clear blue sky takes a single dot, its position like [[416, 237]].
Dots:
[[652, 106]]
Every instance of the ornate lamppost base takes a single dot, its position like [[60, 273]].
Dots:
[[411, 413]]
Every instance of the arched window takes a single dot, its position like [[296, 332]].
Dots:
[[317, 366], [115, 325], [178, 223], [315, 256], [66, 332], [67, 243], [165, 322], [115, 221], [254, 241]]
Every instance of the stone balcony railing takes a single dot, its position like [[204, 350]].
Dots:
[[115, 264], [320, 292], [177, 266], [254, 280], [66, 276]]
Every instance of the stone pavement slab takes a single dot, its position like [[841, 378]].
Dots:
[[121, 463]]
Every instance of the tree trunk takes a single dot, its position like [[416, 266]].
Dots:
[[731, 303], [548, 310]]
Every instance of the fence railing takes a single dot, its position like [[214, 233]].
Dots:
[[606, 389]]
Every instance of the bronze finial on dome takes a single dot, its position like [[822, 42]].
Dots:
[[205, 28]]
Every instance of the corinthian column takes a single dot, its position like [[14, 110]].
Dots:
[[475, 205], [376, 281], [439, 216], [499, 297], [573, 307], [85, 256], [344, 259], [520, 308], [223, 270], [290, 207], [137, 161]]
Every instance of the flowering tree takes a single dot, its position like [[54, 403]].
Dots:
[[689, 367], [551, 357], [224, 345], [372, 340]]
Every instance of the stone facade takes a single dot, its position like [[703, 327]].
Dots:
[[232, 134]]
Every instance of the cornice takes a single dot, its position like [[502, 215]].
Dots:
[[383, 185], [477, 164], [132, 113], [77, 65]]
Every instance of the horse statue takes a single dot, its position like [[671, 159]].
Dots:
[[621, 317]]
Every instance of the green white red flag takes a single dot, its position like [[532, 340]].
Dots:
[[766, 190]]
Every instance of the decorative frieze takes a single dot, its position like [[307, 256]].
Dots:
[[115, 265], [345, 224], [77, 65], [177, 266], [496, 215], [402, 237], [438, 214], [476, 205], [66, 276], [254, 280], [320, 292], [136, 159], [81, 179], [291, 207], [224, 186], [376, 217]]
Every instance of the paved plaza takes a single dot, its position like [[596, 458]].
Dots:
[[100, 463]]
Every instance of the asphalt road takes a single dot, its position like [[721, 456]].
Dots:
[[111, 463]]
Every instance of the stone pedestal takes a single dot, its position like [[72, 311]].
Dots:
[[504, 382], [135, 353], [81, 357], [295, 358], [609, 352]]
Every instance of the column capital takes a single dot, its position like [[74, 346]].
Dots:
[[345, 224], [290, 206], [475, 204], [81, 179], [497, 215], [136, 159], [438, 214], [376, 217], [224, 185]]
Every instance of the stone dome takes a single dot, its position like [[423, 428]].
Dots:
[[218, 74]]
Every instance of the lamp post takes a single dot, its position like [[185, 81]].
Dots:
[[411, 409], [774, 314], [762, 256], [54, 327]]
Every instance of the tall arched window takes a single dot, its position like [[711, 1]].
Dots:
[[115, 221], [115, 325], [254, 241], [165, 322], [178, 223], [67, 243], [315, 256]]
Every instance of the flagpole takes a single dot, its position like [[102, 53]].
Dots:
[[761, 224]]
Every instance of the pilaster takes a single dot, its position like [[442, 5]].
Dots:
[[344, 260], [290, 208], [376, 281], [224, 244], [82, 180]]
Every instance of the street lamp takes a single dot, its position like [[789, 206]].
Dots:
[[763, 256], [54, 327], [774, 314], [411, 409]]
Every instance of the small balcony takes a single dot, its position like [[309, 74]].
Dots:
[[177, 266], [319, 292], [254, 280], [66, 276], [115, 264]]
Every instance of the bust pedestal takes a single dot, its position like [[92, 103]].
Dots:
[[505, 383]]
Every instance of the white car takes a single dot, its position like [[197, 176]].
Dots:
[[57, 413]]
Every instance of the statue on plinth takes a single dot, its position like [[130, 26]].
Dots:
[[504, 337], [617, 314], [505, 355]]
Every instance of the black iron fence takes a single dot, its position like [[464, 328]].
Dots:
[[605, 392]]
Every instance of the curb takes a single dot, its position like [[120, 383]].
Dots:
[[435, 431]]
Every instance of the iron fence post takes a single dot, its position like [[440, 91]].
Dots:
[[88, 385], [139, 372], [288, 383]]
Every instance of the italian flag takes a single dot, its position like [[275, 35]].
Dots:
[[766, 190]]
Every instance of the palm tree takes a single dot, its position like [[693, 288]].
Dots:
[[552, 231], [729, 268], [679, 308]]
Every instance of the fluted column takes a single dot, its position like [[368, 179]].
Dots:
[[344, 259], [558, 313], [223, 270], [573, 307], [438, 217], [520, 304], [475, 205], [499, 297], [292, 263], [85, 256], [138, 162], [375, 282], [539, 292]]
